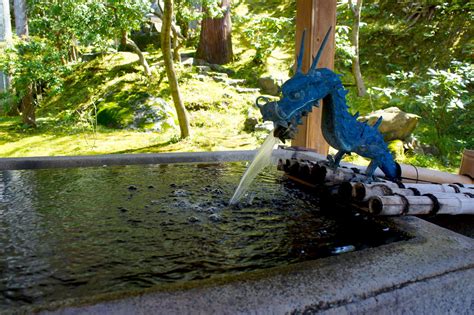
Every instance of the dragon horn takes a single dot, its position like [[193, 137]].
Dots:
[[320, 51], [299, 62]]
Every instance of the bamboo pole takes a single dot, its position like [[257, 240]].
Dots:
[[415, 174], [416, 205], [362, 192], [412, 173], [318, 173]]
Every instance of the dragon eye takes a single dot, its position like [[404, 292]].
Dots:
[[296, 95]]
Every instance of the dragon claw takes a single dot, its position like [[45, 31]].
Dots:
[[331, 162], [368, 180]]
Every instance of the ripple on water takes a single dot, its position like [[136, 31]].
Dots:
[[76, 232]]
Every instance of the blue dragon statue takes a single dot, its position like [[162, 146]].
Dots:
[[340, 129]]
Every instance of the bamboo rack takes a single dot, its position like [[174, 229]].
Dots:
[[382, 197]]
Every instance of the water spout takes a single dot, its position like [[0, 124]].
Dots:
[[261, 159]]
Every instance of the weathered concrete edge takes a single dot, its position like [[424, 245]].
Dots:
[[450, 293], [145, 158], [123, 159]]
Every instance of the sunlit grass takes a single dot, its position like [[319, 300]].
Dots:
[[18, 142]]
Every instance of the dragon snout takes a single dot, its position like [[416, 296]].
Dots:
[[271, 112], [269, 109]]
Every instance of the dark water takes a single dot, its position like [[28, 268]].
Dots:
[[77, 232]]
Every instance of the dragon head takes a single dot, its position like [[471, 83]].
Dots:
[[299, 94]]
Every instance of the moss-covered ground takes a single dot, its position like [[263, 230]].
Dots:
[[66, 123]]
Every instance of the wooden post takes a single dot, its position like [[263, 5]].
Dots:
[[316, 16]]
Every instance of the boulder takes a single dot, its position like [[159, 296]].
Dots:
[[250, 123], [145, 112], [154, 114], [396, 124], [270, 85]]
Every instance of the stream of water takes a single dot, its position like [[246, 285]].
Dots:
[[260, 161]]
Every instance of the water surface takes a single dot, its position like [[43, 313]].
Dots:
[[78, 232]]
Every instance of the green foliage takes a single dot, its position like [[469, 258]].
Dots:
[[344, 49], [191, 12], [396, 148], [265, 33], [87, 22], [34, 62], [423, 33], [443, 98], [408, 53]]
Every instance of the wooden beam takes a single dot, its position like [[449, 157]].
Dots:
[[316, 16]]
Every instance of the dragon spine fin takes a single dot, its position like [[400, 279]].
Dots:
[[377, 123]]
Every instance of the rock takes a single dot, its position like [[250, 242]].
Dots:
[[214, 217], [270, 85], [215, 67], [220, 68], [396, 124], [180, 193], [250, 123], [188, 62], [138, 111], [235, 82], [220, 77], [203, 69], [246, 90], [193, 219], [429, 149], [155, 114], [224, 78], [200, 77], [212, 209]]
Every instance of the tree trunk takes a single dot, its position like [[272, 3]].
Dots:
[[215, 42], [178, 38], [28, 108], [141, 57], [356, 9], [173, 82], [176, 46], [21, 20], [123, 39]]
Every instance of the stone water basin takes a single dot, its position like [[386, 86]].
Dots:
[[160, 237]]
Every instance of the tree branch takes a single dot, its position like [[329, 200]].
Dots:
[[143, 62]]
